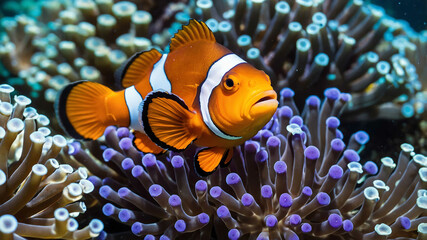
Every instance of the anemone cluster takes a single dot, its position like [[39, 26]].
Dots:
[[414, 45], [152, 195], [295, 178], [76, 40], [39, 197]]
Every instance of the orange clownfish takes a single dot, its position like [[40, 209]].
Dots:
[[199, 92]]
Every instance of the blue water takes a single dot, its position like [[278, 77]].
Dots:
[[413, 11]]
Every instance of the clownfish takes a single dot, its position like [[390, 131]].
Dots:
[[200, 92]]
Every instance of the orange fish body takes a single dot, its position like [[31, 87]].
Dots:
[[199, 92]]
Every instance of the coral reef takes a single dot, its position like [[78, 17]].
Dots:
[[39, 197], [296, 177]]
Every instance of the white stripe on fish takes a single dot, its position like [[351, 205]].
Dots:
[[133, 100], [215, 74], [158, 78]]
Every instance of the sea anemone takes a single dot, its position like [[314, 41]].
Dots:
[[295, 178], [76, 40], [39, 196], [152, 195], [305, 44], [315, 187]]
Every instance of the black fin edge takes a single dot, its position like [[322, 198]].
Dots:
[[120, 72], [60, 110], [147, 128], [224, 157], [199, 171]]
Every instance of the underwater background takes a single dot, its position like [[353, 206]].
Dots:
[[344, 157]]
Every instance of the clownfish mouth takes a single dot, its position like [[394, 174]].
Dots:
[[265, 103], [264, 99]]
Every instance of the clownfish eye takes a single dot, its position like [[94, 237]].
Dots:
[[229, 83]]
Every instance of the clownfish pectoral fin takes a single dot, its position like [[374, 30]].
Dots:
[[136, 67], [143, 143], [227, 158], [208, 159], [192, 32], [165, 118], [80, 109]]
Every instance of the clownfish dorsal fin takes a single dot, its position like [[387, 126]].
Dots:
[[208, 159], [165, 118], [194, 31], [136, 67]]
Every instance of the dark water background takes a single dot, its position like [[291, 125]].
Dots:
[[413, 11]]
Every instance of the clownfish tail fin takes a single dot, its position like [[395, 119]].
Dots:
[[80, 109]]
